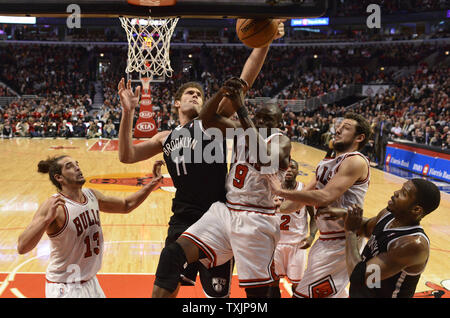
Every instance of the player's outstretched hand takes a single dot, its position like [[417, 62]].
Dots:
[[236, 96], [306, 242], [280, 33], [157, 176], [236, 82], [277, 201], [275, 183], [129, 100], [353, 220]]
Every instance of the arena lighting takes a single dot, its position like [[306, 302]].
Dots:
[[146, 22], [17, 20], [309, 22], [448, 13]]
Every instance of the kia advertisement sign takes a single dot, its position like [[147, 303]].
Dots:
[[145, 125]]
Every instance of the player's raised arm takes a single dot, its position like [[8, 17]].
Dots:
[[251, 69], [255, 61], [129, 152], [126, 205], [208, 114]]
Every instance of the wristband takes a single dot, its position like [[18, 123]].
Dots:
[[245, 83], [242, 112]]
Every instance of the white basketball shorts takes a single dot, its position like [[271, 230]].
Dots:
[[290, 261], [248, 236], [326, 273], [88, 289]]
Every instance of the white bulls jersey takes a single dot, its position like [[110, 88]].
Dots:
[[76, 251], [294, 226], [325, 170], [247, 188]]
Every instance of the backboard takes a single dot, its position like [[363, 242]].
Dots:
[[208, 9]]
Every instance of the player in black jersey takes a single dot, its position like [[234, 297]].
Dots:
[[198, 183], [398, 248]]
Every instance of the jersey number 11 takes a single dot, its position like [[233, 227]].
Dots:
[[180, 160]]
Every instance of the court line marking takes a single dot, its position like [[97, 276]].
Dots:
[[17, 293], [106, 145], [287, 286], [89, 149], [13, 273]]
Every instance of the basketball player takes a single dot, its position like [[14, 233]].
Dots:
[[340, 182], [71, 220], [245, 227], [198, 184], [398, 248], [290, 254]]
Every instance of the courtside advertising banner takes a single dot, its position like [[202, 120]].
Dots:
[[425, 162]]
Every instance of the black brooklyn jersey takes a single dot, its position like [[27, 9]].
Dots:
[[401, 285], [197, 165]]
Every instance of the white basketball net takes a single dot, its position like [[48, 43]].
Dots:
[[148, 45]]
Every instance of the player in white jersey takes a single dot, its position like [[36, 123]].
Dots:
[[290, 254], [245, 226], [340, 182], [71, 220]]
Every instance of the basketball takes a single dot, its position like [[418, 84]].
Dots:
[[256, 33]]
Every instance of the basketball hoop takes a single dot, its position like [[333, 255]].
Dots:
[[148, 45], [148, 55]]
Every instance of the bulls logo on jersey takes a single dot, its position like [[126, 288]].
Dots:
[[323, 288]]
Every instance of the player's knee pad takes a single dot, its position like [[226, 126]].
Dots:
[[171, 264], [216, 281], [258, 292]]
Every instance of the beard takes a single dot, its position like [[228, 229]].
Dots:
[[341, 146], [80, 182]]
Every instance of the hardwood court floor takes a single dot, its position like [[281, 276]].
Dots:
[[133, 242]]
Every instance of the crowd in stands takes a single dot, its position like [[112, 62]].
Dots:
[[358, 7], [5, 91], [416, 108], [416, 104], [33, 69]]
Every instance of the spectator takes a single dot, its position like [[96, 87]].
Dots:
[[79, 129], [93, 131], [7, 131], [109, 130]]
